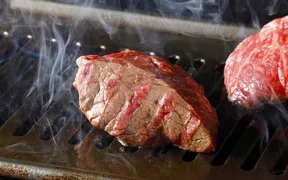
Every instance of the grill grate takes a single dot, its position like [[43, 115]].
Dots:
[[250, 144]]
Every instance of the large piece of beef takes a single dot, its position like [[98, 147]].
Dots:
[[256, 71], [144, 100]]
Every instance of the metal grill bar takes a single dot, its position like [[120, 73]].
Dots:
[[60, 144]]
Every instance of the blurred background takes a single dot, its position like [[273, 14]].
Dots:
[[253, 13]]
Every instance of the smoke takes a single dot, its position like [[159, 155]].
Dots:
[[273, 7], [191, 9], [56, 40], [255, 20]]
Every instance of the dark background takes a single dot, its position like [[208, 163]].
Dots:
[[254, 13]]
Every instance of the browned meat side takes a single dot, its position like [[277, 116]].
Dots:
[[143, 100]]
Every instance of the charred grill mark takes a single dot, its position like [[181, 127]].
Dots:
[[164, 109], [139, 94], [116, 114]]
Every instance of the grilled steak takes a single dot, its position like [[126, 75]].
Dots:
[[256, 71], [143, 100]]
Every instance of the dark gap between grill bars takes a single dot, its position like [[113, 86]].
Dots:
[[19, 94], [58, 122], [15, 100], [245, 143], [220, 67], [104, 141], [271, 153], [281, 164], [33, 111], [2, 35], [255, 154], [189, 156], [198, 63], [184, 63], [79, 135], [173, 59], [56, 125], [10, 46], [17, 67], [281, 161], [27, 124], [228, 120], [160, 150], [37, 106], [231, 141], [130, 150], [99, 50], [196, 66], [268, 123]]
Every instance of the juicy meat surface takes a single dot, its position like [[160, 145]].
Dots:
[[256, 71], [143, 100]]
